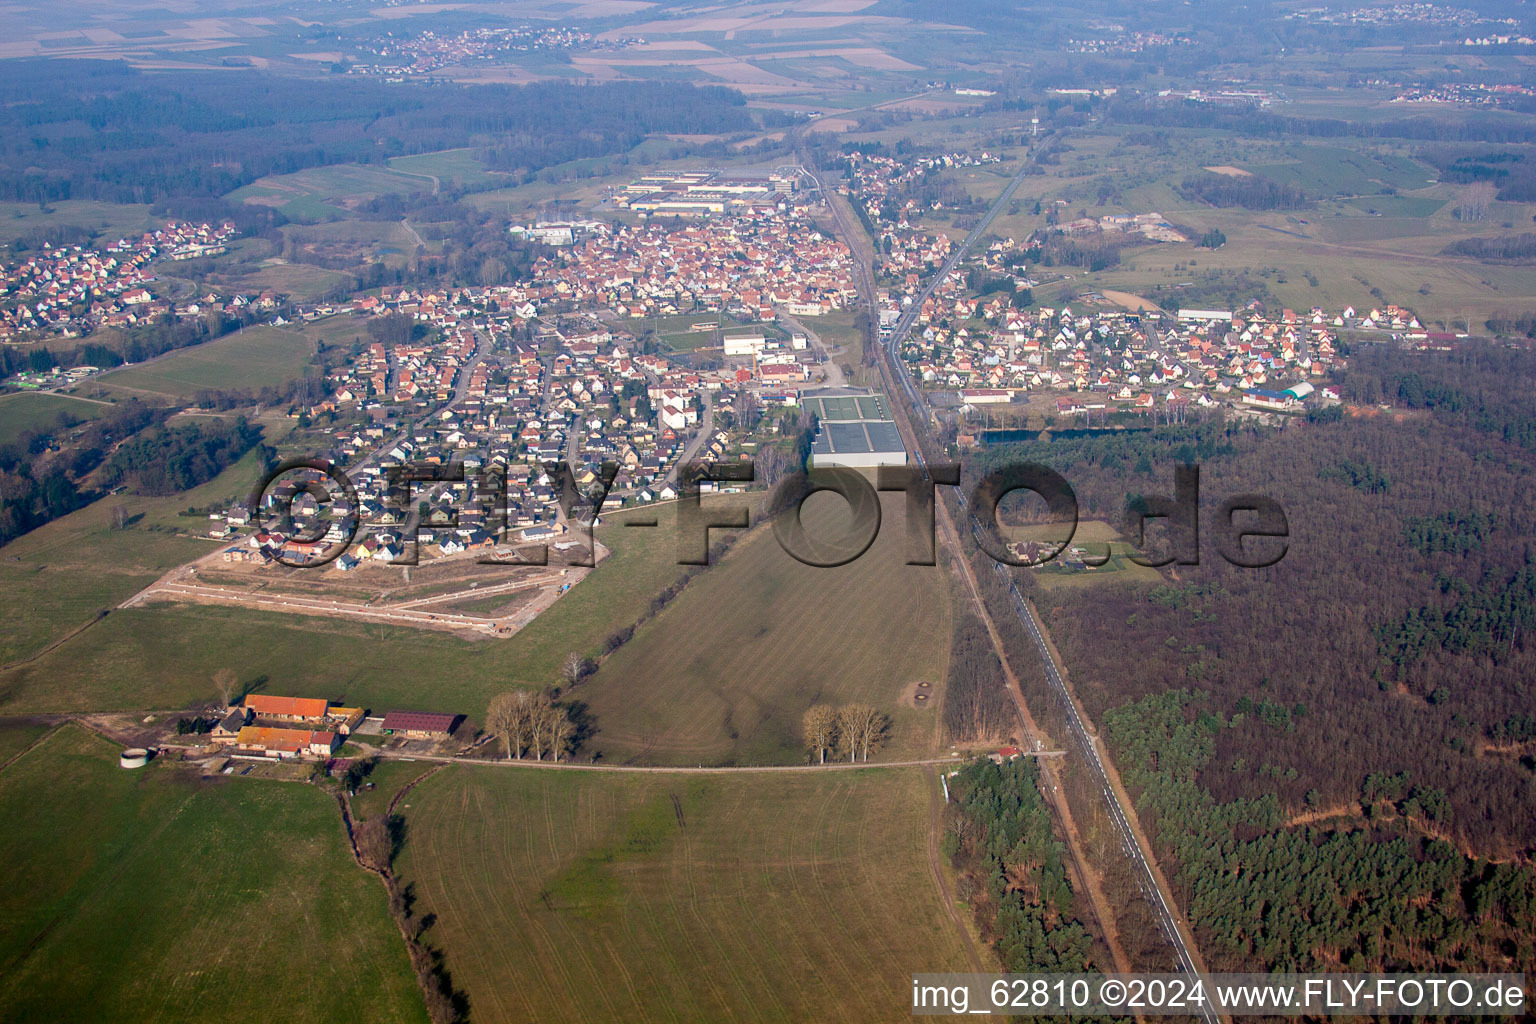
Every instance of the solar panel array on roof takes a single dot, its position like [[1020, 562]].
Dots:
[[847, 437], [884, 437]]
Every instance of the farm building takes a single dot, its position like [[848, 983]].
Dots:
[[420, 725], [287, 709], [285, 743], [312, 710]]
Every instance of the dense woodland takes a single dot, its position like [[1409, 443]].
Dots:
[[1251, 192], [1395, 634], [42, 473], [102, 130], [1012, 869], [1386, 894], [171, 459], [1503, 249]]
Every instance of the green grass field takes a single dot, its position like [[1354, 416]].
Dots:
[[158, 655], [58, 577], [564, 896], [26, 410], [109, 220], [1336, 170], [321, 193], [153, 895], [452, 167], [724, 674], [252, 358]]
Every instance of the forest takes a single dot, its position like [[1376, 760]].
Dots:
[[1012, 869], [1503, 249], [1252, 193], [1395, 634], [38, 483], [170, 459], [102, 130], [1381, 891], [1256, 123]]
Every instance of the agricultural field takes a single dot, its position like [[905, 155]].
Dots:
[[26, 410], [724, 674], [1372, 230], [60, 577], [325, 193], [454, 168], [576, 896], [184, 899], [255, 357]]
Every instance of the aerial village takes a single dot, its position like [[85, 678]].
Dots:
[[66, 291], [503, 383]]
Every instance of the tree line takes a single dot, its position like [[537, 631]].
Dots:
[[997, 832], [166, 460], [103, 130], [531, 724], [851, 729]]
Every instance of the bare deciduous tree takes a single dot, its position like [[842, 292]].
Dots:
[[573, 669], [560, 730], [228, 685], [820, 729], [859, 727], [539, 710], [504, 716], [848, 730], [374, 844]]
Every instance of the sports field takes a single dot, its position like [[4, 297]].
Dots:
[[253, 358], [573, 896], [164, 897]]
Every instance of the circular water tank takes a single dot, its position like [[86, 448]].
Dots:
[[134, 757]]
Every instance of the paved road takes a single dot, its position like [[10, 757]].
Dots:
[[704, 433], [701, 770], [1168, 921]]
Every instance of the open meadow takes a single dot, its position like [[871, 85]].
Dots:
[[255, 357], [184, 899], [573, 896], [157, 655], [28, 410], [724, 674], [65, 575]]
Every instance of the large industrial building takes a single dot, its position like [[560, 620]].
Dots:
[[707, 191], [854, 428]]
